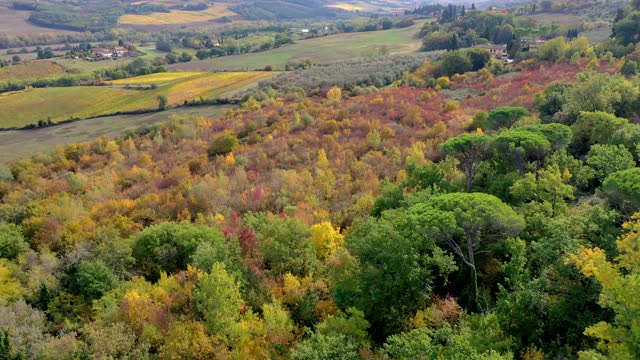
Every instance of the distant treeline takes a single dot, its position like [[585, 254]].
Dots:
[[96, 15], [146, 9], [426, 10], [283, 10], [60, 81]]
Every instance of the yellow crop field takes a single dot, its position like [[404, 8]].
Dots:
[[22, 108], [158, 78], [28, 107], [211, 85], [346, 7], [174, 17]]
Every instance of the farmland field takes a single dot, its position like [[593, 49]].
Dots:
[[16, 144], [28, 107], [175, 17], [157, 78], [31, 70], [346, 7], [323, 49]]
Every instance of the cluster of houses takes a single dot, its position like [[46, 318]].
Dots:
[[499, 51], [110, 53]]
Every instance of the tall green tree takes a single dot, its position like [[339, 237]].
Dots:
[[169, 246], [607, 159], [466, 223], [217, 298], [12, 242], [518, 148], [622, 188], [470, 150], [392, 272], [285, 244], [504, 117]]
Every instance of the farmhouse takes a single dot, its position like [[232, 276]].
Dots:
[[110, 53], [121, 51], [497, 51], [103, 53]]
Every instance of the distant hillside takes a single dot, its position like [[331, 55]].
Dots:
[[103, 15], [283, 9]]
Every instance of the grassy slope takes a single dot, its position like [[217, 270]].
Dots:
[[324, 49], [31, 70], [23, 108], [23, 143]]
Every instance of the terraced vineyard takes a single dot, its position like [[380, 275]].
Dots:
[[22, 108]]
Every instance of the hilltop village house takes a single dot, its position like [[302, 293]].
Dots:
[[110, 53], [497, 51]]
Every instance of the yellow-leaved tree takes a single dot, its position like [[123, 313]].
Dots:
[[326, 240], [334, 95], [620, 281], [10, 287]]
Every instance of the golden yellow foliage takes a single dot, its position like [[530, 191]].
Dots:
[[416, 154], [443, 82], [187, 340], [10, 287], [326, 240], [334, 95], [451, 106], [230, 160]]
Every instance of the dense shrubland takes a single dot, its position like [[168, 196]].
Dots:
[[473, 210], [323, 227]]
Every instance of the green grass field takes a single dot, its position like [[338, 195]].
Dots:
[[323, 49], [18, 144], [22, 108]]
